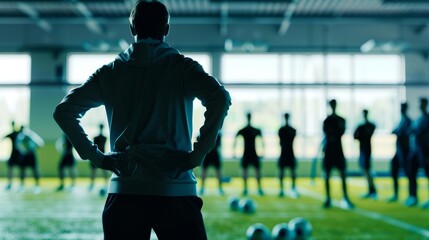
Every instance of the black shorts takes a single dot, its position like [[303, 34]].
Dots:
[[212, 159], [287, 161], [365, 160], [28, 160], [15, 159], [337, 161], [250, 160], [133, 217], [67, 161]]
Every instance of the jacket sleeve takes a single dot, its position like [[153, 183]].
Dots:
[[198, 84], [70, 111]]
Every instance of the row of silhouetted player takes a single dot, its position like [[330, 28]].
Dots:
[[412, 153]]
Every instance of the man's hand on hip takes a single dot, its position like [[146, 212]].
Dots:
[[118, 163]]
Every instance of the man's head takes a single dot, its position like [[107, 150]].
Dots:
[[404, 107], [333, 104], [149, 19], [287, 116], [249, 117], [365, 114]]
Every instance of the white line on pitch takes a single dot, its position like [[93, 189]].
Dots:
[[373, 215]]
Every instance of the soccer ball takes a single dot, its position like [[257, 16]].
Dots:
[[247, 205], [233, 203], [281, 231], [258, 231], [302, 228]]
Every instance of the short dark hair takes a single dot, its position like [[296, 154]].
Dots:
[[149, 19]]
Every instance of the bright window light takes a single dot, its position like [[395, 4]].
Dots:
[[250, 68], [80, 66], [15, 68]]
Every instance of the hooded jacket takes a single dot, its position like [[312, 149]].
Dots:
[[148, 92]]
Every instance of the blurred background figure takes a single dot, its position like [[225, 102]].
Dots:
[[100, 140], [334, 127], [287, 156], [363, 134], [67, 160], [15, 156], [27, 143], [402, 132], [250, 157], [213, 158]]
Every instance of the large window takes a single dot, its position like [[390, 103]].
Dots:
[[306, 83], [82, 65], [15, 70]]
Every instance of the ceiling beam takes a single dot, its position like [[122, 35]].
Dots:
[[285, 24], [91, 23], [224, 19], [34, 16]]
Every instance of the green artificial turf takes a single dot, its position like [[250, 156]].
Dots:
[[77, 214]]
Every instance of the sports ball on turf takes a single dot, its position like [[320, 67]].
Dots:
[[247, 205], [258, 231], [233, 203], [281, 231], [302, 228]]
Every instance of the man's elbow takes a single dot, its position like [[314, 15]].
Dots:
[[58, 113]]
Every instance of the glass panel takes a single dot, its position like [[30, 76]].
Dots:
[[308, 68], [286, 68], [339, 68], [378, 69], [250, 68], [15, 68], [81, 66], [203, 59]]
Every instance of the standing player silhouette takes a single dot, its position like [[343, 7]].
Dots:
[[287, 157], [402, 132], [148, 92], [100, 141], [213, 158], [363, 134], [27, 143], [250, 156], [67, 161], [334, 127], [421, 132], [15, 156]]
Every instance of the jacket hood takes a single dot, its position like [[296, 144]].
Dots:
[[144, 54]]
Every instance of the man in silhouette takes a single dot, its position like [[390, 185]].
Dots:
[[363, 134], [421, 151], [213, 158], [250, 157], [27, 143], [287, 157], [402, 132], [334, 127], [15, 156], [148, 92], [67, 161], [100, 141]]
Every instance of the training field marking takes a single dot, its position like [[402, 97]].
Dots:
[[373, 215]]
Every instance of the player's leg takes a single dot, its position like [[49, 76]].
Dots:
[[73, 174], [426, 169], [219, 179], [394, 173], [244, 176], [123, 218], [346, 199], [179, 218], [411, 170], [327, 176], [61, 176], [9, 176], [281, 177], [294, 192], [259, 178], [203, 179]]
